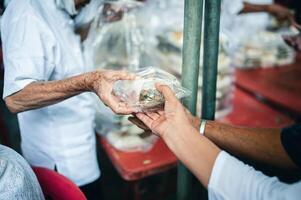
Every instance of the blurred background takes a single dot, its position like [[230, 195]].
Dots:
[[258, 83]]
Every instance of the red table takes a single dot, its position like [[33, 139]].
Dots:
[[281, 86], [247, 111], [136, 165]]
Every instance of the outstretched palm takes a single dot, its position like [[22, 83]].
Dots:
[[165, 122]]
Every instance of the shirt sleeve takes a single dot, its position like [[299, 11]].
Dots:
[[291, 141], [232, 179], [27, 52]]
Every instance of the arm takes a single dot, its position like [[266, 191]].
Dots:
[[280, 12], [194, 150], [41, 94], [223, 175], [251, 8], [259, 144]]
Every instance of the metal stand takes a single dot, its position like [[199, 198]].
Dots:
[[186, 190]]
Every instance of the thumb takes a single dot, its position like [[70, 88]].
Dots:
[[122, 75], [167, 93]]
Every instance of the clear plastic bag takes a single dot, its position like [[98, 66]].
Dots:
[[142, 94], [124, 43]]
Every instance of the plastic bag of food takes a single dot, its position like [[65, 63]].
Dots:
[[142, 94]]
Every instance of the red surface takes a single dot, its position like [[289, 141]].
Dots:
[[56, 186], [136, 165], [278, 85], [247, 111]]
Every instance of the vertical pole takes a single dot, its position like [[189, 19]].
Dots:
[[190, 72], [211, 45]]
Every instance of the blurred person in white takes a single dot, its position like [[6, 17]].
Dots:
[[242, 18], [226, 177], [49, 84]]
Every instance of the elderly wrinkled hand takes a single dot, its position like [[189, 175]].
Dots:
[[101, 83], [173, 119]]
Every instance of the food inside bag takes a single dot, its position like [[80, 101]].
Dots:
[[142, 94]]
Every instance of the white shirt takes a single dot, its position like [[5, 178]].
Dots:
[[231, 179], [39, 44]]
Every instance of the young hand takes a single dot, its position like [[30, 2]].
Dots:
[[194, 121], [172, 120]]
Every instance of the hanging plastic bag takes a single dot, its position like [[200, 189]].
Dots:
[[123, 44], [142, 94], [116, 44]]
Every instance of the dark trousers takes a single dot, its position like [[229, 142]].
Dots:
[[93, 190]]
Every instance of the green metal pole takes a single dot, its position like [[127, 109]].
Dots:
[[211, 45], [193, 12]]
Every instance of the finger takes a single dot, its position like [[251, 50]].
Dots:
[[123, 75], [145, 119], [160, 112], [153, 115], [138, 123], [117, 106], [159, 121], [124, 109], [167, 92]]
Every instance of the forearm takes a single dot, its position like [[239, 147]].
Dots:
[[251, 8], [194, 151], [258, 144], [41, 94]]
